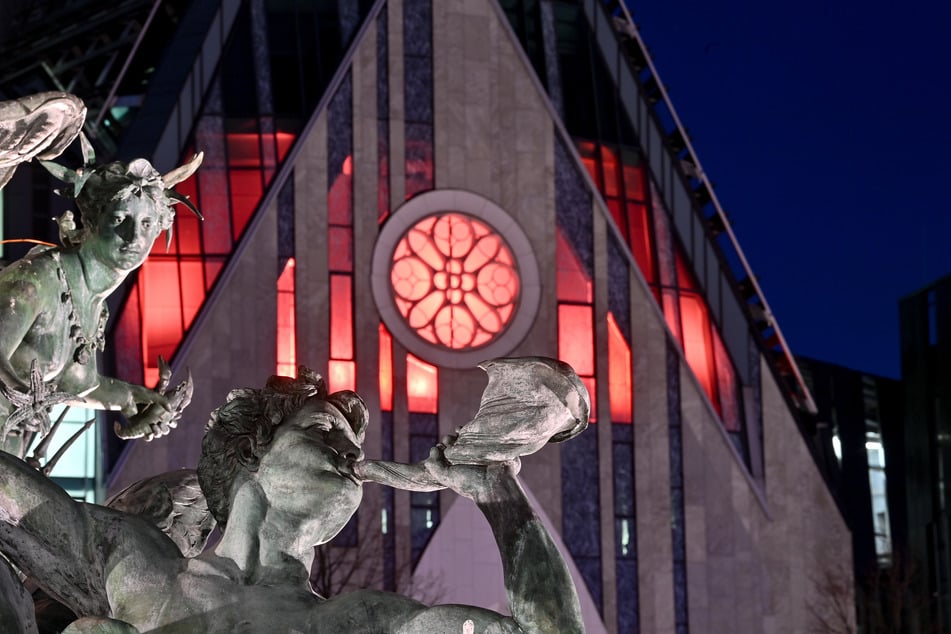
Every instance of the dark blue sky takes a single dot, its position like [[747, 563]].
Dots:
[[826, 128]]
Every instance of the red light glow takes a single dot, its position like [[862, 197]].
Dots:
[[422, 386], [573, 282], [455, 281], [341, 376], [386, 369], [341, 317], [620, 386], [286, 329], [575, 341], [697, 345]]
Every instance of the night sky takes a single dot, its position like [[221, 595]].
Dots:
[[826, 129]]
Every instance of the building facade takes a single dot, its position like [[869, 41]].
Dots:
[[921, 451], [397, 190]]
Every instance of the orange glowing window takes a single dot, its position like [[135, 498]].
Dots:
[[698, 348], [341, 375], [286, 331], [634, 182], [685, 279], [247, 187], [573, 282], [640, 239], [575, 338], [339, 198], [576, 345], [620, 386], [610, 167], [284, 142], [422, 386], [455, 281], [341, 317], [386, 369]]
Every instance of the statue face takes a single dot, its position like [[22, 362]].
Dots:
[[303, 475], [125, 231]]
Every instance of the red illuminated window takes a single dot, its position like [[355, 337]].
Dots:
[[698, 347], [172, 285], [422, 386], [620, 176], [573, 282], [341, 369], [576, 318], [386, 369], [455, 281], [620, 385], [286, 331]]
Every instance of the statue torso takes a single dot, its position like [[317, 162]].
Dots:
[[194, 595], [65, 317]]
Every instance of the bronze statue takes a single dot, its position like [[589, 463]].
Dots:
[[37, 126], [278, 467], [52, 303]]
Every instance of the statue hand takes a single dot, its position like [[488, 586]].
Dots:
[[142, 398], [475, 482], [162, 408]]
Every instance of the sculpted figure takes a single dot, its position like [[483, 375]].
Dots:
[[277, 468], [38, 126], [52, 304]]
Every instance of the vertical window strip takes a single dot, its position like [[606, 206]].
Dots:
[[678, 516], [286, 327], [422, 380], [642, 221], [341, 369], [579, 458], [620, 385], [625, 528], [418, 95], [383, 116], [387, 523]]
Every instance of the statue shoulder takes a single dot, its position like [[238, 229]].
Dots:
[[36, 275]]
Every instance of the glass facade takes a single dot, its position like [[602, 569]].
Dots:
[[277, 62], [75, 450]]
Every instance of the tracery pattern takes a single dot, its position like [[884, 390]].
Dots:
[[454, 280]]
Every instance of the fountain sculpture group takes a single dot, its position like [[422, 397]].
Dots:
[[281, 470]]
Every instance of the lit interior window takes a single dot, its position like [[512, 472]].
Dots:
[[422, 386], [619, 374], [576, 318], [573, 282], [341, 369], [76, 468], [698, 348], [455, 281], [341, 375], [172, 285], [386, 369], [286, 330]]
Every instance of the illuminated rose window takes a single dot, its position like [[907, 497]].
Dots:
[[454, 280]]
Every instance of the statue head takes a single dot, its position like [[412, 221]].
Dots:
[[315, 434], [98, 188]]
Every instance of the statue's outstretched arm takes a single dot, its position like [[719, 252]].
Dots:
[[541, 594]]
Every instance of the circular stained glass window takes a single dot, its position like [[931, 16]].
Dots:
[[454, 280], [450, 285]]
